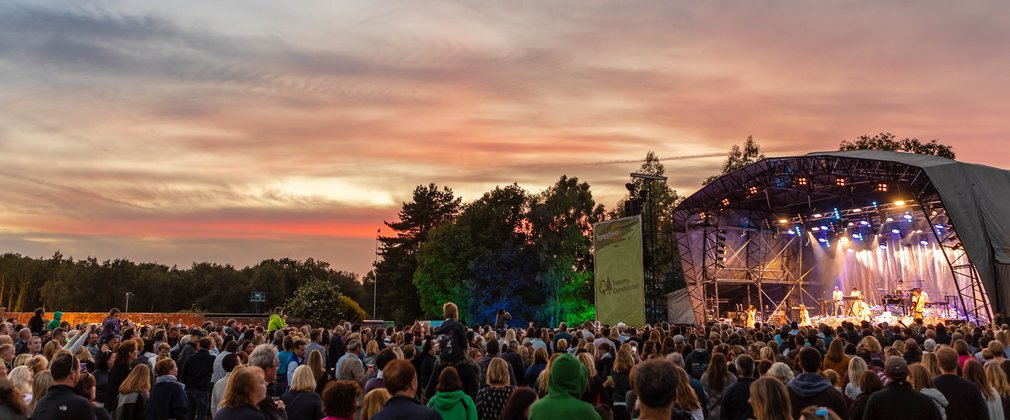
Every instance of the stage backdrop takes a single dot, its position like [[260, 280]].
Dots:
[[620, 277]]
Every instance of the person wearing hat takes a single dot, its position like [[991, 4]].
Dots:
[[898, 399]]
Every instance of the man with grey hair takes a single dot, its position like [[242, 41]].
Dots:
[[350, 366], [264, 356], [929, 345]]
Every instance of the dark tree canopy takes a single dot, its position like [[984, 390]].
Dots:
[[429, 208], [739, 157], [887, 141]]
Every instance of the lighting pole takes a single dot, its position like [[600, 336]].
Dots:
[[128, 296], [375, 282]]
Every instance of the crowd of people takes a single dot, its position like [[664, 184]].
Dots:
[[54, 370]]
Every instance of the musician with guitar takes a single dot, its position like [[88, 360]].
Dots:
[[919, 299]]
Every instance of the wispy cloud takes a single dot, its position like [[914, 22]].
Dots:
[[287, 126]]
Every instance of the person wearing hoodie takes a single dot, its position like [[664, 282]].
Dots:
[[810, 388], [565, 387], [276, 321], [37, 324], [55, 323], [919, 378], [697, 360], [898, 399], [450, 401]]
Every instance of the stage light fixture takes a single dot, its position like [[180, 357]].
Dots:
[[883, 246], [889, 219], [895, 230], [824, 228], [822, 240], [818, 215], [752, 190], [851, 224], [857, 210], [844, 240], [784, 221], [815, 229], [850, 250], [864, 222], [840, 182], [703, 215], [924, 242], [881, 187], [725, 202], [908, 217], [802, 181], [899, 203], [790, 231]]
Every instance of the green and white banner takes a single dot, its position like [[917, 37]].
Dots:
[[619, 271]]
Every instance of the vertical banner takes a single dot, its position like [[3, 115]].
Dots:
[[619, 271]]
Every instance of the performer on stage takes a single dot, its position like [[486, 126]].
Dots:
[[804, 316], [837, 302], [751, 313], [856, 293], [862, 310], [919, 299]]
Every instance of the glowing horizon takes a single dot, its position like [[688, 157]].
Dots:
[[233, 132]]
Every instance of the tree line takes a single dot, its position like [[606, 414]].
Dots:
[[527, 252]]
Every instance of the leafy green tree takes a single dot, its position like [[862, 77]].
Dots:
[[561, 220], [887, 141], [430, 207], [443, 269], [739, 157], [319, 302]]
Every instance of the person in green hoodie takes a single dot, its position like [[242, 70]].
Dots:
[[450, 401], [55, 323], [276, 322], [565, 387]]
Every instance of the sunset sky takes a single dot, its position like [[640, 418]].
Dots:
[[235, 131]]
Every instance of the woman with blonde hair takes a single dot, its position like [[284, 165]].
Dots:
[[371, 351], [770, 399], [856, 368], [873, 345], [40, 386], [998, 380], [594, 391], [134, 393], [975, 373], [301, 401], [766, 353], [684, 397], [491, 400], [921, 381], [246, 388], [21, 378], [37, 364], [374, 402]]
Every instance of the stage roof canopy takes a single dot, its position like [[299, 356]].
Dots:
[[970, 201]]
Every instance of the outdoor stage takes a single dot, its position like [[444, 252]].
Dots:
[[783, 233]]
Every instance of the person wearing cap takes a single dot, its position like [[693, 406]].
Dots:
[[898, 399], [810, 388]]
